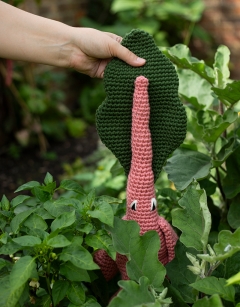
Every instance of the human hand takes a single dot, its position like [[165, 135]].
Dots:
[[93, 49]]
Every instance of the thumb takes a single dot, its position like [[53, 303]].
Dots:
[[126, 55]]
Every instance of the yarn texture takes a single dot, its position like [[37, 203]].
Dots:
[[141, 201], [167, 115]]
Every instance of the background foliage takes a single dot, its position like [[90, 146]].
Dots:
[[48, 236]]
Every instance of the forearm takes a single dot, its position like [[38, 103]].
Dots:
[[27, 37]]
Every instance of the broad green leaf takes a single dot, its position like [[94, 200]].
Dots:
[[101, 240], [42, 195], [221, 63], [22, 270], [196, 166], [64, 220], [48, 178], [230, 94], [103, 211], [58, 241], [228, 244], [59, 290], [133, 293], [180, 275], [221, 123], [181, 56], [27, 241], [9, 296], [233, 216], [18, 220], [89, 303], [10, 248], [142, 251], [76, 293], [35, 221], [194, 220], [74, 273], [213, 301], [234, 279], [213, 285], [224, 153], [71, 185], [177, 299], [79, 257], [59, 206], [231, 183], [123, 5], [18, 200], [193, 125], [46, 301], [37, 233], [195, 89], [28, 186]]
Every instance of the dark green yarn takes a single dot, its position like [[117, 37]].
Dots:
[[167, 116]]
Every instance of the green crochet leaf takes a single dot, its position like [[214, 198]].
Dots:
[[167, 116]]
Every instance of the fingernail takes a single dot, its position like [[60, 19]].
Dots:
[[141, 61]]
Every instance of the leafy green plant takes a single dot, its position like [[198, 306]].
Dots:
[[49, 234], [161, 19]]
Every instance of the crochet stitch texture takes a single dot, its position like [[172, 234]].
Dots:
[[141, 202], [167, 115]]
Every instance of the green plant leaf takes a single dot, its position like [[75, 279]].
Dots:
[[59, 290], [228, 244], [42, 195], [27, 241], [234, 279], [22, 271], [48, 178], [74, 273], [231, 93], [213, 285], [133, 293], [231, 183], [10, 248], [224, 153], [28, 186], [181, 56], [71, 185], [103, 212], [59, 206], [9, 296], [101, 240], [218, 126], [35, 221], [213, 301], [64, 220], [195, 89], [18, 200], [123, 5], [221, 63], [233, 216], [18, 220], [127, 241], [180, 275], [58, 241], [196, 166], [89, 303], [76, 293], [194, 218], [79, 257]]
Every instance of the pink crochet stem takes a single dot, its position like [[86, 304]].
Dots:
[[141, 202]]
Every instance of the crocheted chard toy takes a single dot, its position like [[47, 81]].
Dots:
[[142, 121]]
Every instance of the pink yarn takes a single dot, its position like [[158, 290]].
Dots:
[[141, 202]]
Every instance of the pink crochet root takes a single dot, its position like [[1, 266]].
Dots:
[[141, 201]]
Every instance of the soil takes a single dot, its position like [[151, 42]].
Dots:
[[32, 166]]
